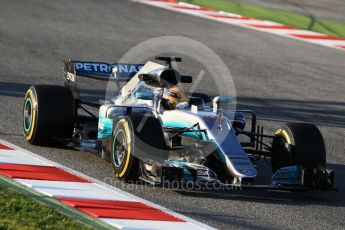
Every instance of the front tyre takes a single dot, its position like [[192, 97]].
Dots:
[[125, 164], [298, 144], [136, 138]]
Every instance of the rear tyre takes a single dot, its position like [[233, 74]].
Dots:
[[298, 144], [48, 113]]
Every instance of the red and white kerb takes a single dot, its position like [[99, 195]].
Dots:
[[248, 22], [109, 204]]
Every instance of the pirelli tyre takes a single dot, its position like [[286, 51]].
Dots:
[[298, 144], [136, 138], [48, 113]]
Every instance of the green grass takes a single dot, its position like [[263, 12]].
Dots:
[[280, 16], [20, 212]]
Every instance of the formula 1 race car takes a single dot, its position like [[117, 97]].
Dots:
[[147, 138]]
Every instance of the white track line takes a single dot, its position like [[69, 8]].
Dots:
[[140, 224]]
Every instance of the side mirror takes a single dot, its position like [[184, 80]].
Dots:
[[145, 77], [186, 79], [144, 95], [221, 100]]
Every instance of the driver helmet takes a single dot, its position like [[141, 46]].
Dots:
[[174, 96]]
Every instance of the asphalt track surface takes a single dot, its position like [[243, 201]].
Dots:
[[280, 78]]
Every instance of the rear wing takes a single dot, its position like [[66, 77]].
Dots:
[[97, 70], [102, 71]]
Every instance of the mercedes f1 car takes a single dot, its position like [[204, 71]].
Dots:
[[197, 141]]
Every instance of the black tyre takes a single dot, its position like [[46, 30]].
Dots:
[[136, 138], [48, 113], [298, 144]]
